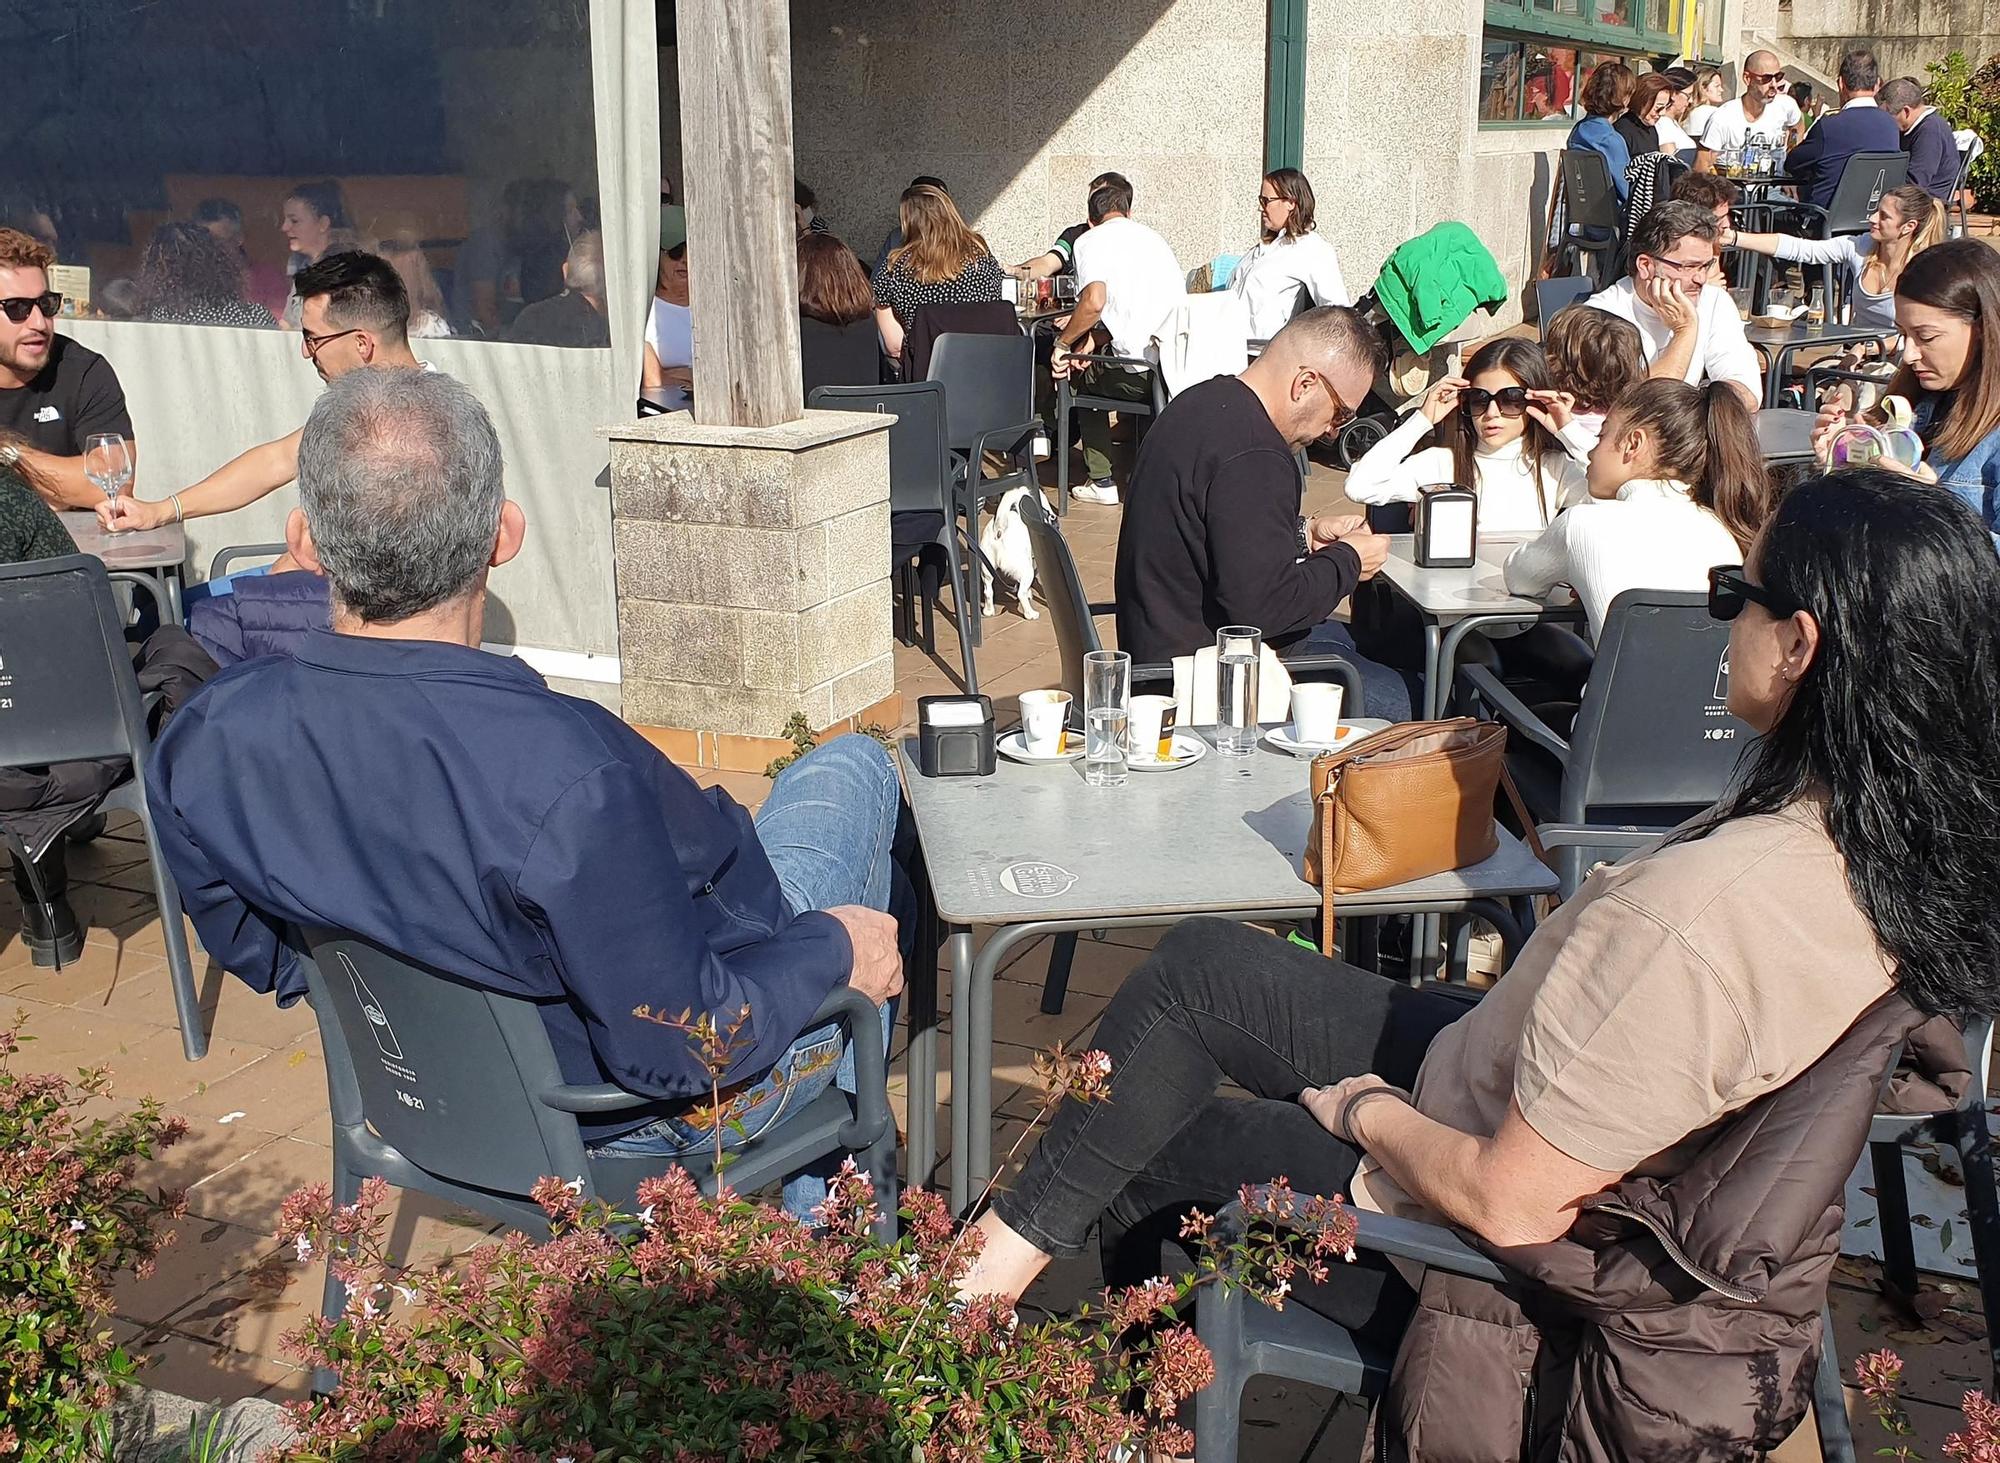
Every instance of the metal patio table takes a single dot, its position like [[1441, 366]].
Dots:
[[1034, 850], [1780, 343], [1785, 434], [156, 553]]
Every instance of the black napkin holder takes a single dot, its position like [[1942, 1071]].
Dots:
[[1447, 528], [955, 736]]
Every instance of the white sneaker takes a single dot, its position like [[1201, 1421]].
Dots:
[[1105, 492]]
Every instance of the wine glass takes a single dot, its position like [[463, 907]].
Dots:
[[107, 461]]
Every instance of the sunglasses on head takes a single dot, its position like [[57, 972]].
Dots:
[[1512, 401], [1729, 589], [19, 308]]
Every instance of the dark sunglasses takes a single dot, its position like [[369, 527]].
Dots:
[[1729, 589], [1512, 400], [1762, 76], [20, 307], [1342, 412]]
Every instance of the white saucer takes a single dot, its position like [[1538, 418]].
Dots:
[[1280, 738], [1187, 748], [1013, 745]]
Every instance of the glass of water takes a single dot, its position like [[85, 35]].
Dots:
[[1239, 651], [1107, 701], [107, 462]]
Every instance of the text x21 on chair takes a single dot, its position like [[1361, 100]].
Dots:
[[1068, 398], [1652, 744], [453, 1090], [68, 694]]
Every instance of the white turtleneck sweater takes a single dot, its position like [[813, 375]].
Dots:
[[1511, 500], [1653, 535]]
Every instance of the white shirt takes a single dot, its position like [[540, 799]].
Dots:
[[1653, 535], [1698, 119], [1143, 284], [1721, 350], [1672, 138], [670, 332], [1512, 498], [1728, 127], [1268, 280]]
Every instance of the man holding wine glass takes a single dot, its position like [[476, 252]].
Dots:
[[55, 395]]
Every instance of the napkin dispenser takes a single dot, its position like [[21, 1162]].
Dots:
[[1447, 528], [955, 736]]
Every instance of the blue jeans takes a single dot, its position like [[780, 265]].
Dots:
[[829, 828], [1384, 688]]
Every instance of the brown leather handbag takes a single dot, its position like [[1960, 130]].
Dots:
[[1413, 800]]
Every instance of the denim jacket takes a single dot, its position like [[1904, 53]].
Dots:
[[1975, 477]]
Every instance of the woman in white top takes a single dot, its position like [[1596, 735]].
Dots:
[[1907, 221], [1293, 257], [1485, 431], [1677, 485], [669, 354], [1710, 92]]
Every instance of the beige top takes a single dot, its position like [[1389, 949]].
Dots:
[[1671, 991]]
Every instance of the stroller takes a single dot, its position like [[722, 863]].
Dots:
[[1428, 287]]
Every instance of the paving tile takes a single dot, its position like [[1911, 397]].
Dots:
[[201, 1371], [144, 1059], [278, 1093], [250, 1190], [200, 1254]]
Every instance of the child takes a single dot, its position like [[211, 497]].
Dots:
[[1594, 358]]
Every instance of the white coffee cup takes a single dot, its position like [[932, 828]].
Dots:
[[1150, 719], [1043, 714], [1316, 712]]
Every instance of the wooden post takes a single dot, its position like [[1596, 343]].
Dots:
[[736, 126]]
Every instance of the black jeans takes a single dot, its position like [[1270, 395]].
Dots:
[[1222, 1001]]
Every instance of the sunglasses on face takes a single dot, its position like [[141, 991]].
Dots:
[[1512, 401], [20, 307], [1729, 589], [1342, 412], [1763, 76]]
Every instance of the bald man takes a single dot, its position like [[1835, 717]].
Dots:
[[1762, 113]]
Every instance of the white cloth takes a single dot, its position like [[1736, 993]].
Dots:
[[1698, 119], [1514, 497], [1672, 138], [1194, 688], [1142, 280], [1579, 438], [1268, 280], [1728, 127], [1207, 336], [1652, 536], [670, 332], [1721, 350]]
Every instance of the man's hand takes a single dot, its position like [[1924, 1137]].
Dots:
[[1371, 548], [1442, 399], [1323, 529], [1671, 305], [878, 964], [124, 515], [1325, 1103], [1553, 409], [1059, 366]]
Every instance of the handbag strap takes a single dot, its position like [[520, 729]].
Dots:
[[1528, 831]]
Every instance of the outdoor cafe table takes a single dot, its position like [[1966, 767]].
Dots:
[[1780, 343], [1034, 850], [156, 553], [1785, 434]]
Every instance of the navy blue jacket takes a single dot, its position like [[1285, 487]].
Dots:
[[1933, 151], [444, 803], [1834, 139], [261, 614]]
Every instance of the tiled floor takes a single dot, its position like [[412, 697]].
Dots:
[[210, 1320]]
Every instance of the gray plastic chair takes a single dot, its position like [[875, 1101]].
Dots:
[[1069, 399], [451, 1090], [920, 481], [1863, 181], [1652, 743], [68, 694], [224, 557], [1553, 296], [1590, 211]]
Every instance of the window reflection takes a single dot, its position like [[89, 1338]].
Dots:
[[191, 157]]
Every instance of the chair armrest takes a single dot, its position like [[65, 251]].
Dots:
[[863, 1020], [224, 557], [1595, 835], [1139, 362], [597, 1097], [1014, 436], [1344, 671], [1793, 206], [1103, 607], [152, 589], [1513, 711]]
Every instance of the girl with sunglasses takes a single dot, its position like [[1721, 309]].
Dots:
[[1678, 485], [1478, 430]]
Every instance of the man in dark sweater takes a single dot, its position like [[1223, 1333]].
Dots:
[[1859, 126], [1927, 136], [1212, 533]]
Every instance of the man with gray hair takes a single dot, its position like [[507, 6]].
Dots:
[[576, 316], [1861, 125], [393, 780], [1927, 136]]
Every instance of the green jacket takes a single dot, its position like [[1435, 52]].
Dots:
[[1435, 280], [28, 528]]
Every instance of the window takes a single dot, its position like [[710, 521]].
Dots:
[[1535, 54], [191, 157]]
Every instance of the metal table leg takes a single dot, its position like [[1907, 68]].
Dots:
[[1432, 658], [961, 1059], [920, 1063]]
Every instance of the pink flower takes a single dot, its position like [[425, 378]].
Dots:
[[1880, 1375], [760, 1440]]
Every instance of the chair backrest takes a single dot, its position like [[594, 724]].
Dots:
[[989, 382], [1867, 176], [1062, 587], [983, 317], [839, 355], [1588, 197], [919, 456], [67, 690], [1971, 147], [443, 1073], [1653, 741], [1553, 296], [224, 557]]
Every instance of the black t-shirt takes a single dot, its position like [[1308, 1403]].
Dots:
[[1064, 248], [566, 319], [76, 396], [1210, 536], [1639, 138]]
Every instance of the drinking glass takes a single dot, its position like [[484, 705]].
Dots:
[[107, 461], [1107, 702], [1239, 651]]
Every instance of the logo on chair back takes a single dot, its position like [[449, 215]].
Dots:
[[1722, 678], [378, 1020]]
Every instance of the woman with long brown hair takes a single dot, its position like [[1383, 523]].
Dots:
[[1294, 266], [837, 344], [941, 262], [1907, 221]]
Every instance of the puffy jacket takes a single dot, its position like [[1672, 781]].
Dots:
[[261, 614], [1432, 282], [1679, 1318]]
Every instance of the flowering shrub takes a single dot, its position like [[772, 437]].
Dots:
[[70, 1220], [720, 1329], [1880, 1377]]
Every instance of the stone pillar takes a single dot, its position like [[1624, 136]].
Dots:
[[753, 576]]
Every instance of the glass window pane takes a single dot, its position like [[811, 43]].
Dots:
[[1500, 80], [1663, 16], [1550, 89], [194, 156]]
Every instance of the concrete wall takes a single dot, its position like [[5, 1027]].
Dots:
[[1906, 34]]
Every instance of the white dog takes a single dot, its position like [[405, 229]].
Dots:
[[1005, 545]]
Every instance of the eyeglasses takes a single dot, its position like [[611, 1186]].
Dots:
[[316, 343], [1763, 76], [1267, 199], [1342, 412], [1700, 267], [20, 307], [1512, 401], [1729, 589]]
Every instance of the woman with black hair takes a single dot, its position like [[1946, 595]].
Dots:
[[1856, 855]]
